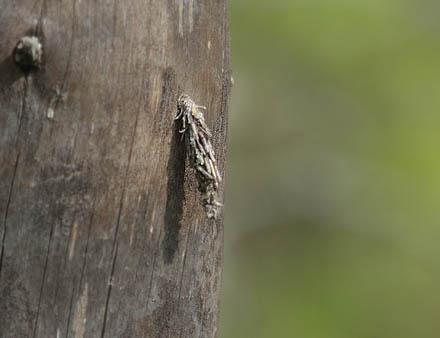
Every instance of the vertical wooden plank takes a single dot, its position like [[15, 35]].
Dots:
[[102, 231]]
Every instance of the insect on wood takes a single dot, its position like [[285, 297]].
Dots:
[[197, 137]]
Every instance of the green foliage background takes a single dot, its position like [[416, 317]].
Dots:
[[333, 181]]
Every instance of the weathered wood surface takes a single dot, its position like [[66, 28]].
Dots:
[[102, 233]]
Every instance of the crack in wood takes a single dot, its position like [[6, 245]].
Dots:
[[43, 280], [5, 228], [38, 28], [109, 291], [121, 204], [87, 244], [70, 312]]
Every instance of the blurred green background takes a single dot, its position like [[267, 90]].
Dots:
[[333, 180]]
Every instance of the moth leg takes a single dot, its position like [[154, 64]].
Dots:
[[195, 131], [216, 180], [205, 173], [179, 115], [184, 126], [218, 174], [204, 127]]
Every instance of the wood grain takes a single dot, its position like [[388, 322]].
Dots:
[[102, 233]]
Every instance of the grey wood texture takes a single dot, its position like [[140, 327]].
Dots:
[[102, 233]]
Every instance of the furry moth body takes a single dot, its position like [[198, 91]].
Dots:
[[197, 136]]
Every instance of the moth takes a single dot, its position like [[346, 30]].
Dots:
[[197, 136]]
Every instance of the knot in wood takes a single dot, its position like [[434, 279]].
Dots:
[[28, 53]]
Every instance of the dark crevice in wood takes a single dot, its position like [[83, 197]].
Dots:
[[38, 28], [57, 286], [202, 326], [121, 204], [43, 280], [127, 169], [115, 237], [87, 245], [5, 228], [109, 291], [70, 312]]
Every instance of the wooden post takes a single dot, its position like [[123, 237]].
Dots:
[[102, 232]]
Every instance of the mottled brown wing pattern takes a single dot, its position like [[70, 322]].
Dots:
[[197, 135]]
